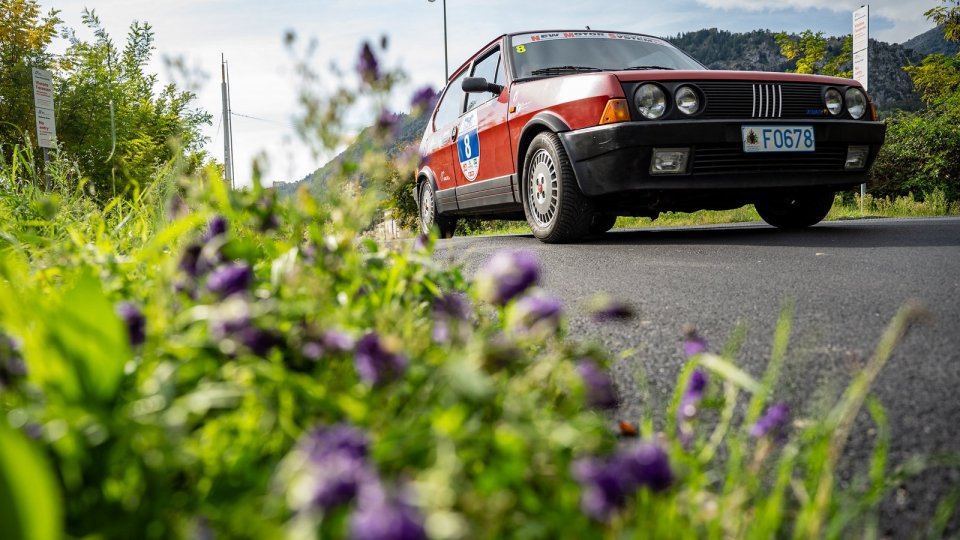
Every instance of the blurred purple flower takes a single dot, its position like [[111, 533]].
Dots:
[[215, 227], [606, 308], [374, 363], [538, 314], [329, 341], [647, 464], [421, 242], [378, 517], [452, 306], [134, 321], [336, 466], [689, 402], [258, 340], [367, 65], [387, 124], [773, 422], [189, 261], [693, 394], [608, 483], [230, 279], [423, 100], [507, 275], [693, 344], [599, 388], [605, 488]]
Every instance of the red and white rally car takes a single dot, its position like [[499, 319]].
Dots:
[[570, 129]]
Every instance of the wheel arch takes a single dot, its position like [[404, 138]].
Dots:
[[543, 121], [424, 175]]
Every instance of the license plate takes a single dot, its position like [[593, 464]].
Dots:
[[778, 138]]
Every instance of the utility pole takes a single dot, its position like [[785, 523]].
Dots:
[[227, 130]]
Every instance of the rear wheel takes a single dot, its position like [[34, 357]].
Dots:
[[430, 217], [797, 210], [556, 210], [602, 223]]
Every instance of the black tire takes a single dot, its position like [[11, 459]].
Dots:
[[555, 209], [602, 223], [430, 217], [797, 210]]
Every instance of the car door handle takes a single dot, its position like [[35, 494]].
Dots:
[[453, 133]]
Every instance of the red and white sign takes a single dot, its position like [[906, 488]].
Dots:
[[861, 41], [43, 103]]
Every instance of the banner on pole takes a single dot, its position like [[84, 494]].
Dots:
[[43, 104], [861, 43]]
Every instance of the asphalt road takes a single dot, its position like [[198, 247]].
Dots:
[[847, 279]]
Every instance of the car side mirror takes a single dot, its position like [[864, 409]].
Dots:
[[479, 84]]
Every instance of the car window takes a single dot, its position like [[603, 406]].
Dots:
[[544, 53], [489, 69], [451, 105]]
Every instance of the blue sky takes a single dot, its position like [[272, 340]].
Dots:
[[264, 86]]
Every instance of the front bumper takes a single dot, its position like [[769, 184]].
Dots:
[[615, 158]]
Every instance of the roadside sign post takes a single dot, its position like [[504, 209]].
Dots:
[[46, 122], [861, 62]]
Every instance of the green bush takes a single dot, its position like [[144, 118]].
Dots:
[[921, 153]]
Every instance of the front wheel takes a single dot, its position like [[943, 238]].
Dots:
[[555, 209], [430, 217], [796, 211]]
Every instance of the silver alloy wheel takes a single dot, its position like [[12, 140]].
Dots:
[[542, 188], [427, 209]]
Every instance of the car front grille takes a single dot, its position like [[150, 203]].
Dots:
[[736, 99], [730, 158]]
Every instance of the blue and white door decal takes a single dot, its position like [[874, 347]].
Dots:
[[468, 146]]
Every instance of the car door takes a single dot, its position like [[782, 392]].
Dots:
[[486, 171], [441, 152]]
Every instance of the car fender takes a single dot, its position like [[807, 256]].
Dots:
[[542, 121], [425, 175]]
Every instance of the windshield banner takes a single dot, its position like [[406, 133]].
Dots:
[[523, 39]]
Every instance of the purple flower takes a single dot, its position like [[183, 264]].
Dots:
[[647, 465], [693, 394], [387, 124], [693, 344], [452, 306], [135, 322], [599, 388], [421, 242], [423, 100], [537, 314], [507, 275], [330, 340], [230, 279], [773, 422], [605, 308], [605, 488], [375, 364], [190, 260], [367, 65], [258, 340], [215, 227], [379, 517], [608, 483], [336, 468]]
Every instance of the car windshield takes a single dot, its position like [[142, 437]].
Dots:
[[558, 53]]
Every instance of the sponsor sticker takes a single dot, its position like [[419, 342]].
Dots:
[[523, 39], [468, 146]]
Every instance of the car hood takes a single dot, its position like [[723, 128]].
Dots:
[[718, 75]]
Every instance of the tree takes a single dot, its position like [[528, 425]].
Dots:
[[150, 127], [811, 53], [24, 37], [938, 76]]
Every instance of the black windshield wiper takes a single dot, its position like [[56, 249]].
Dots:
[[556, 70], [646, 67]]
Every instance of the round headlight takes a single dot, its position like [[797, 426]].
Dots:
[[687, 100], [651, 101], [856, 102], [833, 101]]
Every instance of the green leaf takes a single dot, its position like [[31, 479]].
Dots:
[[30, 506]]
